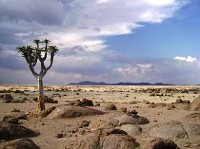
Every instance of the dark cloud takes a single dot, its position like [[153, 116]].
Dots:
[[48, 12], [8, 38], [117, 58], [12, 61]]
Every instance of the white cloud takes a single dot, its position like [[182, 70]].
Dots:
[[187, 59], [76, 61], [102, 1], [86, 23], [137, 72], [160, 3]]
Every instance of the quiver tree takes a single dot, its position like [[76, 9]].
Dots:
[[34, 55]]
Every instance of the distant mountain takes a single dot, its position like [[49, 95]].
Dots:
[[89, 83], [120, 83]]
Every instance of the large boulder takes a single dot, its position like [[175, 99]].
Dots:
[[101, 140], [171, 130], [194, 117], [10, 119], [10, 131], [89, 141], [66, 111], [120, 141], [158, 143], [195, 105], [21, 144], [132, 130], [193, 130], [137, 120], [105, 123]]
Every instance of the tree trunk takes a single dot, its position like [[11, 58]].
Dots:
[[40, 104]]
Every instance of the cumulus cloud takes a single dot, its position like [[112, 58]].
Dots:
[[159, 70], [81, 23], [137, 72], [186, 59]]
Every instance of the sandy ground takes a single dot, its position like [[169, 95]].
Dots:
[[131, 97]]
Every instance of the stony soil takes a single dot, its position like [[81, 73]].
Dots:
[[151, 102]]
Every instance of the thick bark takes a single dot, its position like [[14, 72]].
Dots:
[[40, 104]]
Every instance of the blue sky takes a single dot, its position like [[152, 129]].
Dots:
[[178, 35], [104, 40]]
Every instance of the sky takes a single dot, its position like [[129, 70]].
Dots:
[[104, 40]]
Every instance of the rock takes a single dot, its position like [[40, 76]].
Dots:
[[186, 101], [126, 119], [22, 116], [123, 109], [89, 141], [171, 130], [111, 107], [16, 110], [195, 117], [10, 119], [118, 141], [179, 100], [183, 106], [60, 135], [152, 105], [21, 144], [193, 130], [55, 101], [35, 99], [8, 97], [76, 103], [47, 112], [11, 131], [170, 106], [107, 123], [84, 123], [46, 99], [97, 140], [132, 130], [97, 104], [49, 100], [67, 111], [158, 143], [132, 113], [116, 131], [195, 105], [86, 102]]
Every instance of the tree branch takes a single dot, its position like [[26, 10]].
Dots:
[[51, 61], [33, 71]]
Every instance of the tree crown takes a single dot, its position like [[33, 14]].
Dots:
[[33, 54]]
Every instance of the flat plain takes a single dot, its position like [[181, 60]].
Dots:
[[161, 106]]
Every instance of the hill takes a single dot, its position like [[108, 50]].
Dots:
[[119, 83]]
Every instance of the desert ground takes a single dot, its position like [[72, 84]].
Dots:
[[101, 117]]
